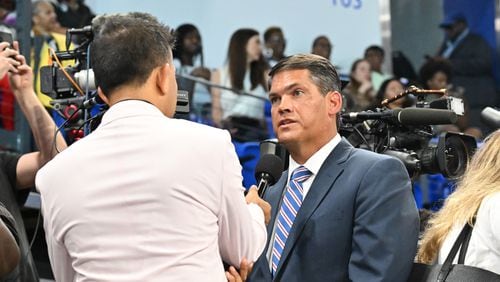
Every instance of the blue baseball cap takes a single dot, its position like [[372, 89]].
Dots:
[[452, 18]]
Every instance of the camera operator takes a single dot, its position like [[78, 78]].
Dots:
[[17, 172], [151, 198]]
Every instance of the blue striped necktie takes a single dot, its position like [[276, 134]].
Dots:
[[290, 205]]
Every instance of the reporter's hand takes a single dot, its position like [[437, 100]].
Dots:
[[7, 61], [245, 268], [253, 197], [22, 78]]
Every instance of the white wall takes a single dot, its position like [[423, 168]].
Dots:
[[351, 25]]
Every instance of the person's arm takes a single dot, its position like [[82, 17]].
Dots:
[[242, 231], [216, 100], [9, 251], [386, 224], [40, 122]]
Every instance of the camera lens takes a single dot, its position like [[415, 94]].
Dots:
[[455, 154]]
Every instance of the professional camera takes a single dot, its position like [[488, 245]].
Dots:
[[407, 134], [65, 82], [73, 88]]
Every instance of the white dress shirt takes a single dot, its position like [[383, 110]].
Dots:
[[484, 244], [147, 198], [313, 164]]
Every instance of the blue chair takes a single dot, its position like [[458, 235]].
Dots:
[[248, 154]]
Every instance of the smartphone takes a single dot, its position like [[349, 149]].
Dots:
[[6, 37]]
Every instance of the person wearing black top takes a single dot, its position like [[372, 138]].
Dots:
[[17, 171]]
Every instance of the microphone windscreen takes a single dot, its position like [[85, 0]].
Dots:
[[423, 116], [491, 117], [269, 164]]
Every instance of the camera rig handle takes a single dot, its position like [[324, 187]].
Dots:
[[412, 89]]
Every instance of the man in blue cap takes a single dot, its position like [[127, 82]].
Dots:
[[471, 59]]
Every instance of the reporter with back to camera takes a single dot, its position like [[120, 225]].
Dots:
[[152, 198], [17, 172]]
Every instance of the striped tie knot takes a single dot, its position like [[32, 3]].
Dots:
[[290, 205]]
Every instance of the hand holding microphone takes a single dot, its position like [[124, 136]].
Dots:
[[267, 172], [253, 197]]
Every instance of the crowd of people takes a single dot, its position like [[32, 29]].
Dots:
[[164, 197]]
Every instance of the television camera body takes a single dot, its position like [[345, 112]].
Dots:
[[73, 88], [408, 134]]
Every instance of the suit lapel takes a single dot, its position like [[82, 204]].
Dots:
[[331, 169]]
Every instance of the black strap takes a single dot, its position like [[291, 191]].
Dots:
[[447, 265], [465, 244]]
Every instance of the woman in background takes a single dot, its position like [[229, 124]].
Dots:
[[245, 70], [188, 59], [388, 89], [476, 197], [359, 92]]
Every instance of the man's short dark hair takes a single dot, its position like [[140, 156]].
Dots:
[[127, 47], [375, 48], [321, 70]]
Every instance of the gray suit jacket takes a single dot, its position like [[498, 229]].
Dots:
[[358, 222]]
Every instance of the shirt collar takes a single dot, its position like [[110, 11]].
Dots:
[[314, 163], [130, 108]]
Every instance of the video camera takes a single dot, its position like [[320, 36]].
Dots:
[[407, 134], [73, 88]]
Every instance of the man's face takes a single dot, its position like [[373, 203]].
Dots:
[[375, 59], [46, 18], [454, 30], [276, 42], [323, 48], [302, 116]]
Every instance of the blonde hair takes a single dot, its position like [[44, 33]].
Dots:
[[482, 178]]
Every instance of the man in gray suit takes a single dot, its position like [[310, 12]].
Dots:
[[339, 213]]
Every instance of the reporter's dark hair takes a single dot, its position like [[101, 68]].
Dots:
[[322, 72], [127, 47]]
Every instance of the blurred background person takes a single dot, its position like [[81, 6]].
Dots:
[[476, 201], [46, 35], [388, 89], [73, 13], [375, 56], [471, 61], [246, 70], [436, 74], [188, 59], [359, 93], [322, 47], [275, 44]]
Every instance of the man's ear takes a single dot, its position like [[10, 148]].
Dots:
[[162, 77], [102, 96], [334, 99]]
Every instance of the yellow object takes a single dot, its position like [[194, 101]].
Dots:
[[60, 41]]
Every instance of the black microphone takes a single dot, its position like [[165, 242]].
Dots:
[[422, 116], [408, 116], [491, 117], [267, 171]]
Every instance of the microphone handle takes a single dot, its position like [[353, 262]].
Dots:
[[262, 187]]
